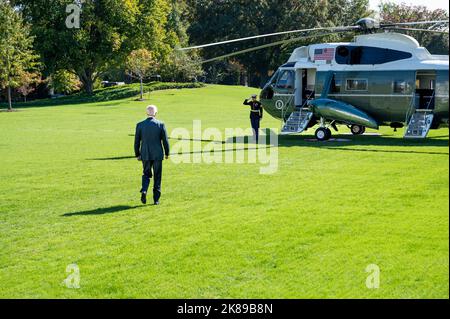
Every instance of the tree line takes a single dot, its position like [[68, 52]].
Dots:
[[69, 45]]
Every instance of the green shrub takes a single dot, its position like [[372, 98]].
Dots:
[[109, 94]]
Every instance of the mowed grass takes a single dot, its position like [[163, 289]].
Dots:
[[69, 194]]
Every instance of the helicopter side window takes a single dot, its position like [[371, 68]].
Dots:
[[368, 55], [356, 55], [286, 80], [400, 86], [342, 51], [356, 85]]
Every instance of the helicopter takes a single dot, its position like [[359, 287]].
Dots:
[[383, 77]]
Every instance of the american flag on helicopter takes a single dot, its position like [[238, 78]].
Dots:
[[326, 54]]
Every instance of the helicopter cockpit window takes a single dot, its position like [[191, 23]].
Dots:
[[368, 55], [286, 80], [274, 78]]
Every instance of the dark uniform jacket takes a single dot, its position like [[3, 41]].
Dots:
[[150, 136], [255, 108]]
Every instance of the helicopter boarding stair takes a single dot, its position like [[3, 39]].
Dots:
[[420, 120], [298, 120]]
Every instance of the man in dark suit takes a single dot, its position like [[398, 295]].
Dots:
[[151, 137]]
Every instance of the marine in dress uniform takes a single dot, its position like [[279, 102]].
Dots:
[[256, 113]]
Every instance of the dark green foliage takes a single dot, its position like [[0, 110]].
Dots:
[[212, 21], [109, 31], [435, 43]]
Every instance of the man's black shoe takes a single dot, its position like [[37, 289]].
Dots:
[[144, 198]]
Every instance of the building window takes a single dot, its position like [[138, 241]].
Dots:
[[400, 86], [356, 85]]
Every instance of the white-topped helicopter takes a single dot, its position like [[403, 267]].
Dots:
[[380, 78]]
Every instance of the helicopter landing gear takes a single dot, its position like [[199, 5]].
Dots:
[[357, 129], [323, 133]]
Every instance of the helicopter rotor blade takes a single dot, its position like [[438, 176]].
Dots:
[[419, 30], [269, 45], [336, 29], [386, 25]]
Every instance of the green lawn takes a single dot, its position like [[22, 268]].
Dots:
[[69, 194]]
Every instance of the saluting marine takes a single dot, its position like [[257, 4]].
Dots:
[[256, 113]]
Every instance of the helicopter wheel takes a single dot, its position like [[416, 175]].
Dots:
[[357, 129], [323, 134]]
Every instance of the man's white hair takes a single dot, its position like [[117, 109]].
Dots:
[[152, 110]]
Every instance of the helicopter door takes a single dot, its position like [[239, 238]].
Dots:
[[304, 84], [300, 82], [310, 84], [425, 89]]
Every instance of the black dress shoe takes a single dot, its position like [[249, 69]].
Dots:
[[144, 198]]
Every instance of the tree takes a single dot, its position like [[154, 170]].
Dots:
[[28, 82], [210, 22], [16, 56], [435, 43], [62, 81], [141, 63], [108, 31], [181, 67]]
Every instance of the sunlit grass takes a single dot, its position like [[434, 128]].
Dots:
[[69, 194]]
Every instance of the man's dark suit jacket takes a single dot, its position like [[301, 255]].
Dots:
[[147, 141]]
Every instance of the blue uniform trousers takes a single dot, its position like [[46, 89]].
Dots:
[[254, 120]]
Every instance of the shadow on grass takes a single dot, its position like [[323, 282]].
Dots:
[[118, 158], [347, 140], [101, 211], [364, 143], [115, 158], [383, 151], [195, 140]]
